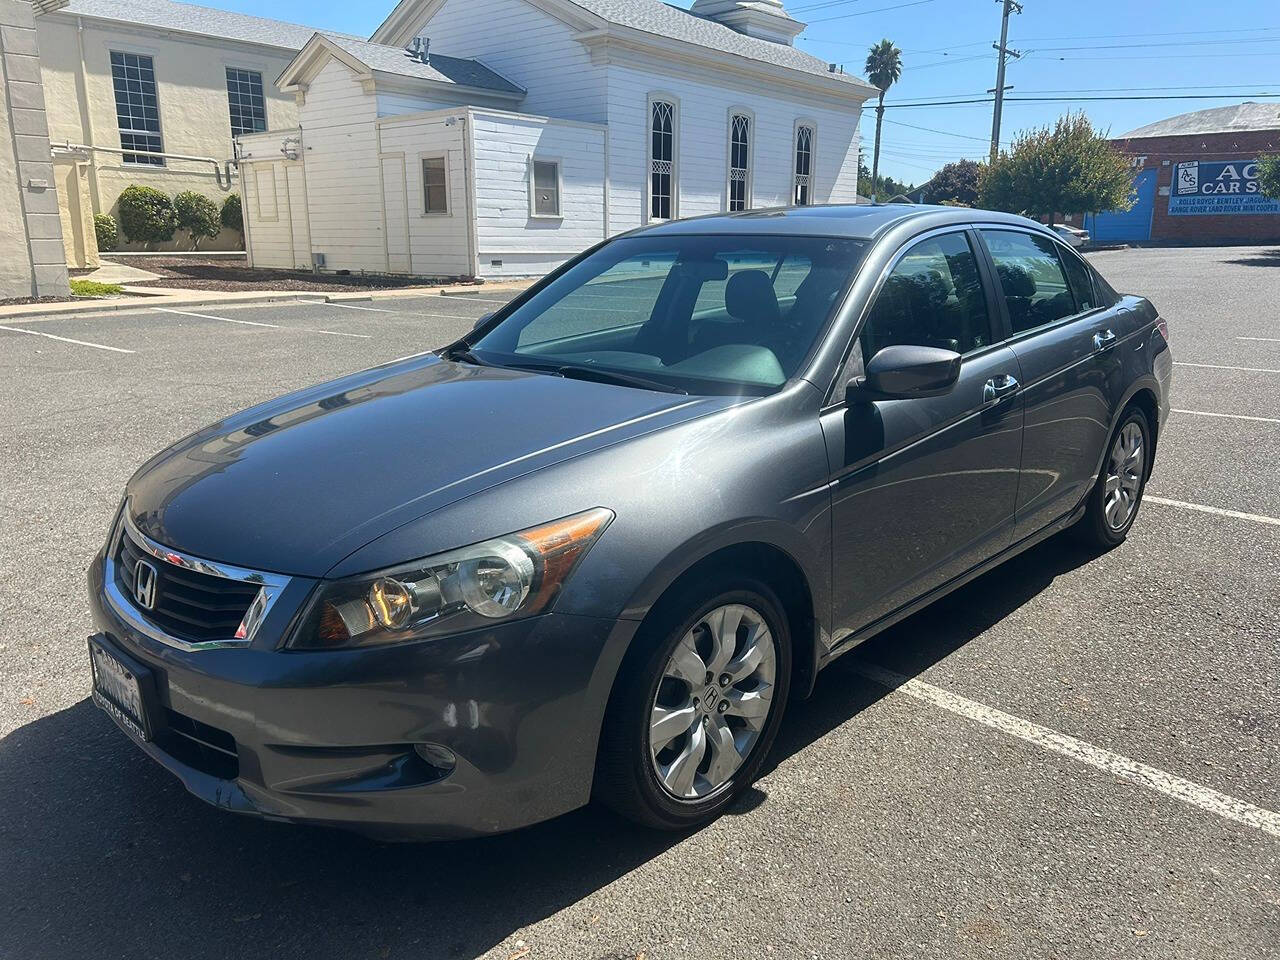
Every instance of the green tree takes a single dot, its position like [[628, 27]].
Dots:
[[146, 215], [883, 69], [1070, 168], [956, 184], [198, 215], [1269, 175]]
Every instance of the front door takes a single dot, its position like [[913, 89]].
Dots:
[[924, 489]]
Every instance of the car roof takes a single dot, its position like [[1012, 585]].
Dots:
[[862, 221]]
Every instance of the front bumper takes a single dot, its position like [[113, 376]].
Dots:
[[329, 736]]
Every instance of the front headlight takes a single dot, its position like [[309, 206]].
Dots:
[[508, 577]]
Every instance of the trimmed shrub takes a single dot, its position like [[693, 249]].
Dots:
[[198, 215], [232, 216], [108, 234], [146, 215]]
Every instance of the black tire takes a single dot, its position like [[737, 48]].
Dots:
[[1094, 529], [625, 777]]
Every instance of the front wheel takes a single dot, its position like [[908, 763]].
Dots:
[[1113, 503], [696, 710]]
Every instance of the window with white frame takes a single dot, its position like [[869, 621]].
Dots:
[[739, 191], [435, 186], [663, 181], [133, 77], [803, 195], [246, 101], [545, 188]]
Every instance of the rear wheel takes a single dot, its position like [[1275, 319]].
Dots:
[[1114, 501], [696, 709]]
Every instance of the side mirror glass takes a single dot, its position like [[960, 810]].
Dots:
[[903, 372]]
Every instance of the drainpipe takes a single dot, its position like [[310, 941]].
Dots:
[[221, 168], [86, 119]]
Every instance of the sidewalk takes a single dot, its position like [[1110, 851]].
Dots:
[[142, 298]]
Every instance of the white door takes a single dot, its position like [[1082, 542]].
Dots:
[[395, 211]]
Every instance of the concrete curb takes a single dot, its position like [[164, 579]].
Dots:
[[142, 298]]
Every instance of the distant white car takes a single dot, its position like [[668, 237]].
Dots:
[[1073, 235]]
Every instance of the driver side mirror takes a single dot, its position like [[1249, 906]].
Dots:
[[904, 372]]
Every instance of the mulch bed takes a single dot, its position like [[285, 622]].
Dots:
[[191, 273], [22, 301]]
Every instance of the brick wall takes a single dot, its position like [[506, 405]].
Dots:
[[1211, 147], [32, 259]]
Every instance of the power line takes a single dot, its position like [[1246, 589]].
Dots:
[[945, 133], [896, 6]]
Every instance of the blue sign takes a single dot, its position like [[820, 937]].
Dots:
[[1213, 189]]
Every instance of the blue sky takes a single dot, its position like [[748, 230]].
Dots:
[[1105, 47]]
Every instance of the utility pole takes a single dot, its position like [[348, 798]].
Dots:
[[1010, 6]]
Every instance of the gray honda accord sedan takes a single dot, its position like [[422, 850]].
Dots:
[[593, 548]]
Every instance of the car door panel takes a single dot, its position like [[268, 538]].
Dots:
[[1066, 350], [922, 490]]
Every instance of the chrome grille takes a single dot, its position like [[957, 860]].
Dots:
[[189, 604], [185, 601]]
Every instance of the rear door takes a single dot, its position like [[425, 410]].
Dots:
[[1065, 345], [923, 489]]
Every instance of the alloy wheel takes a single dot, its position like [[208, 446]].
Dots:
[[1124, 476], [712, 701]]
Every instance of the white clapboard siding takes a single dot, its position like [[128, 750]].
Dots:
[[273, 201], [342, 171], [510, 241], [704, 105], [528, 47], [437, 245], [397, 103]]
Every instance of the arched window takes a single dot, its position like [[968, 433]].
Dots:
[[663, 140], [739, 191], [803, 193]]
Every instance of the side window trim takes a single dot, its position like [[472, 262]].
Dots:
[[1064, 254], [835, 393]]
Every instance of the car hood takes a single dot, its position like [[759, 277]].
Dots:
[[294, 485]]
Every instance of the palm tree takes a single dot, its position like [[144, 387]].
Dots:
[[883, 68]]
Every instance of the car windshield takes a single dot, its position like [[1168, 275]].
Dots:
[[700, 314]]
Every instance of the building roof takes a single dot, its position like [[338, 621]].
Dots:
[[663, 20], [189, 18], [1233, 119], [441, 69]]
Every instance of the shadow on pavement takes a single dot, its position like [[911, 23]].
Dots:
[[1263, 258], [104, 854]]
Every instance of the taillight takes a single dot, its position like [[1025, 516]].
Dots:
[[1163, 328]]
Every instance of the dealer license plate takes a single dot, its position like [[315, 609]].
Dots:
[[118, 689]]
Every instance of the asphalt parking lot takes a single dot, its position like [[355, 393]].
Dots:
[[1074, 756]]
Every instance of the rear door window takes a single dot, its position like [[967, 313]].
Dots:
[[1031, 278], [1080, 280]]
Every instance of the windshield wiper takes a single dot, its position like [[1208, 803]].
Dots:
[[459, 350], [577, 372], [582, 371]]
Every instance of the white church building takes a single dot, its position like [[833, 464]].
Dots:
[[498, 138]]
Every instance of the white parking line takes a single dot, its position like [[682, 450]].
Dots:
[[79, 343], [466, 298], [352, 306], [1220, 366], [1194, 794], [1218, 511], [1227, 416], [1261, 339], [255, 323]]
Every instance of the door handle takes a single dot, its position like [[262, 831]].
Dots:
[[1104, 339], [998, 386]]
